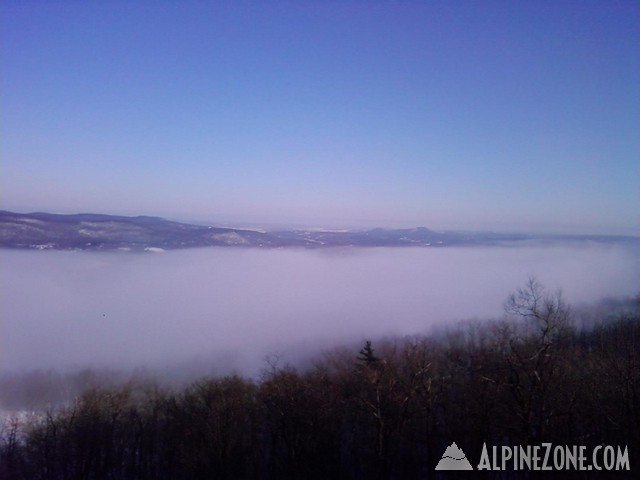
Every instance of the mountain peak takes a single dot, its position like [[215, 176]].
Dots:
[[88, 231]]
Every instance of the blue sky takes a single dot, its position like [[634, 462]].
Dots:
[[500, 115]]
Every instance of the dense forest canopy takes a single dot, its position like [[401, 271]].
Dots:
[[386, 410]]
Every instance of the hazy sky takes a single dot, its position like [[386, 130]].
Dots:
[[481, 115]]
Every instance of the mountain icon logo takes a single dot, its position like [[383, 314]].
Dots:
[[454, 458]]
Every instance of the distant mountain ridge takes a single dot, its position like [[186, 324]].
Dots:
[[88, 231]]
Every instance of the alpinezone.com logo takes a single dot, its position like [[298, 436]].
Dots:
[[545, 456]]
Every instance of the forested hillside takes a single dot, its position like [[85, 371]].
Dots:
[[387, 410]]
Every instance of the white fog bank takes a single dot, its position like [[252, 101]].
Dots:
[[231, 307]]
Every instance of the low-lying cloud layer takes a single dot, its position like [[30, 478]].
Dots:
[[230, 308]]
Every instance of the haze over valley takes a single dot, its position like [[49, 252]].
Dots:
[[222, 310]]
